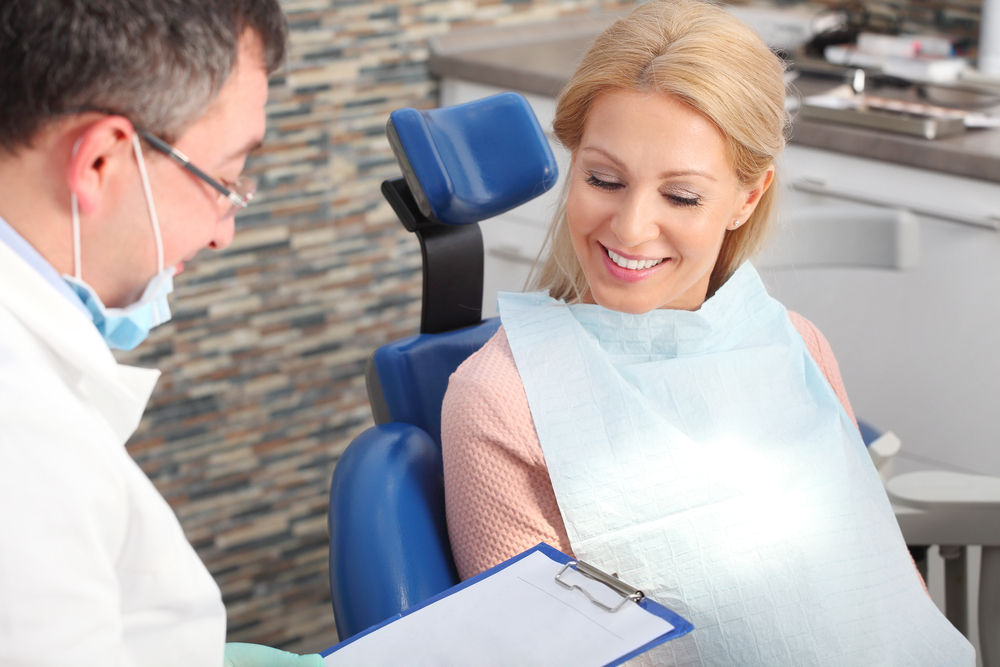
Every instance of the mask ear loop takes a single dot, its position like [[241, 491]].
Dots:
[[76, 236], [149, 202], [75, 207]]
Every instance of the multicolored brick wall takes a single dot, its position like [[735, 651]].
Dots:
[[263, 363]]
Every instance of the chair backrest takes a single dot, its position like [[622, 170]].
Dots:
[[389, 544], [388, 487], [407, 378]]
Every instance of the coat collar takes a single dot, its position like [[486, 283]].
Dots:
[[118, 392]]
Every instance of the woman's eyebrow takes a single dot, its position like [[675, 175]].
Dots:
[[618, 163], [666, 174], [686, 172]]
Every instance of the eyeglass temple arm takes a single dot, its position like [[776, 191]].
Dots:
[[185, 162]]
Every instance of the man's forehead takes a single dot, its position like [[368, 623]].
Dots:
[[235, 121], [246, 83]]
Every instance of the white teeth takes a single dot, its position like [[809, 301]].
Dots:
[[633, 264]]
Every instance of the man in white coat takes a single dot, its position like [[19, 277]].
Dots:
[[124, 128]]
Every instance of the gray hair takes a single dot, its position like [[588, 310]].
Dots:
[[159, 63]]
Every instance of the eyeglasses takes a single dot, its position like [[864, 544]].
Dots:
[[231, 200]]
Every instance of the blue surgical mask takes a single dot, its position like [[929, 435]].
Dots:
[[124, 328]]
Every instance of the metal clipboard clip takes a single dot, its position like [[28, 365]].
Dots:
[[612, 582]]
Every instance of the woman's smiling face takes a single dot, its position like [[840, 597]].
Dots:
[[652, 194]]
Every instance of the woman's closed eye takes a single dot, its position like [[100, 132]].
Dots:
[[601, 184], [685, 201]]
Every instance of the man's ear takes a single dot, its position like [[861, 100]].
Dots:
[[753, 196], [102, 150]]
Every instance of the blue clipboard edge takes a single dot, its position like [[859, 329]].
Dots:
[[681, 625]]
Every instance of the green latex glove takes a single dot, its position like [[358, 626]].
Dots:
[[255, 655]]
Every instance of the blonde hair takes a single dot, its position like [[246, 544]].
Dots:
[[702, 55]]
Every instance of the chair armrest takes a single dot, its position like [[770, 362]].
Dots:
[[943, 507], [945, 490], [389, 544]]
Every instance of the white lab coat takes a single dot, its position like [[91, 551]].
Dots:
[[94, 566]]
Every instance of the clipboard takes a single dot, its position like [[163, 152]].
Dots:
[[535, 608]]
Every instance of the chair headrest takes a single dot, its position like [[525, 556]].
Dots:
[[472, 161]]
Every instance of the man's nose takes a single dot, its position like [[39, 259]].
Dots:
[[224, 231]]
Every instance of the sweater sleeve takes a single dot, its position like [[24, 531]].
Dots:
[[498, 495], [822, 353]]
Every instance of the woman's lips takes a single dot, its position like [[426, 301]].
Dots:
[[626, 274], [631, 263]]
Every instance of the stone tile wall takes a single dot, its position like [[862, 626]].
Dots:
[[262, 383]]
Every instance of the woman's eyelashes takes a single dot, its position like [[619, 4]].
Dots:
[[602, 183], [683, 201]]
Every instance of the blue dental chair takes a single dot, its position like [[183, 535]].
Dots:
[[389, 545]]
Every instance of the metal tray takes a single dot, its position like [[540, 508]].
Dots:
[[928, 128]]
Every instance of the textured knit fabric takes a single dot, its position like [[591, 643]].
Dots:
[[497, 490]]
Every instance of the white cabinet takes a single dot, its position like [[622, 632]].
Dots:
[[924, 192]]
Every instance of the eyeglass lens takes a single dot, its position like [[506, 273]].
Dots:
[[245, 188]]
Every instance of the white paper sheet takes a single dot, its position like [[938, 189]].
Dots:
[[519, 616]]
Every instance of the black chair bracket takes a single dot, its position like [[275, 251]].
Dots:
[[452, 261]]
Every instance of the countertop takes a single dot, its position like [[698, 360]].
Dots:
[[539, 58]]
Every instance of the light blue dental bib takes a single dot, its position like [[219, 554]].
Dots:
[[704, 457]]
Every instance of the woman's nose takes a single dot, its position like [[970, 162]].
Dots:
[[636, 222]]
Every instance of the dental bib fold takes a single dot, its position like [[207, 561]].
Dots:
[[704, 458]]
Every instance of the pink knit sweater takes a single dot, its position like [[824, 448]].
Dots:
[[497, 490]]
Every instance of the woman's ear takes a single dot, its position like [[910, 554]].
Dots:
[[102, 151], [752, 197]]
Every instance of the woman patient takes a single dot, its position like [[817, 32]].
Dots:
[[652, 410]]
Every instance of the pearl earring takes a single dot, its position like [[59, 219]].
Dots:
[[736, 223]]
